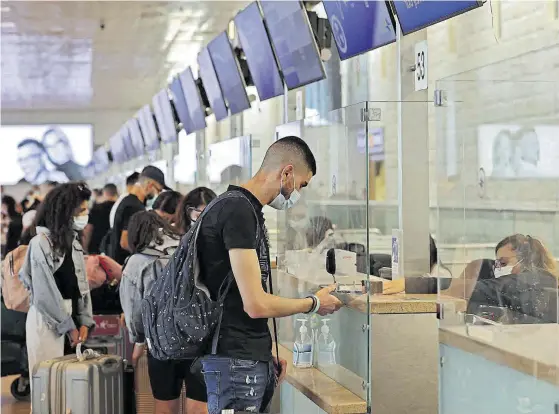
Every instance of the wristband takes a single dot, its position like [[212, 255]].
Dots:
[[316, 304]]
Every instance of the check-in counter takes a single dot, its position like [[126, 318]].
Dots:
[[502, 369], [387, 352]]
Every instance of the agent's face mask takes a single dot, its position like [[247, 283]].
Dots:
[[504, 270], [283, 203]]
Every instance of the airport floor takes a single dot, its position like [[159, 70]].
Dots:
[[9, 405]]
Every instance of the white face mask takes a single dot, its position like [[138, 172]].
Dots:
[[281, 203], [504, 270], [80, 222]]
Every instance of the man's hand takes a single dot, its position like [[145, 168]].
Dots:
[[328, 303], [281, 369], [83, 334], [137, 353], [74, 338]]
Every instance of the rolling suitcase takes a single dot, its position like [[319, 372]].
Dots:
[[76, 384], [109, 337]]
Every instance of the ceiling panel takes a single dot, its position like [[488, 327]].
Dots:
[[100, 54]]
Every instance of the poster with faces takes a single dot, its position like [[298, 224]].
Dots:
[[519, 151], [40, 153]]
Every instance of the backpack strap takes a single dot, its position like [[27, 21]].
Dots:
[[274, 323]]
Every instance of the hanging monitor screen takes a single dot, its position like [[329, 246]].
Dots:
[[211, 85], [258, 51], [293, 42], [180, 104], [135, 137], [229, 74], [360, 26], [100, 161], [127, 142], [149, 130], [164, 116], [193, 100], [117, 148], [415, 15]]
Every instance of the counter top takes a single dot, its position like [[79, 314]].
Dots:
[[531, 349], [321, 389], [378, 303]]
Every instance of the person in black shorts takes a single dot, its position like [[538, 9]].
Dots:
[[151, 237]]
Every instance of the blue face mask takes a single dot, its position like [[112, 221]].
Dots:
[[150, 202]]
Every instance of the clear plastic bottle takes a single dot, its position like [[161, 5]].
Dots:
[[303, 347], [326, 345]]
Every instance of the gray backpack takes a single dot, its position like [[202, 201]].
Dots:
[[180, 318]]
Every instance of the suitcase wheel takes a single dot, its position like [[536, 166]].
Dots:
[[21, 389]]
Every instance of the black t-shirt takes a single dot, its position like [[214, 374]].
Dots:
[[129, 206], [99, 219], [231, 224]]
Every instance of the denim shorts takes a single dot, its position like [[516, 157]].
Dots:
[[238, 384]]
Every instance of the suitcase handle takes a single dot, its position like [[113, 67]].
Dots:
[[88, 353]]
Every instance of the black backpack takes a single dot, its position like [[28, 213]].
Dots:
[[180, 317]]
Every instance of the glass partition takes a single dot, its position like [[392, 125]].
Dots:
[[497, 226], [336, 197]]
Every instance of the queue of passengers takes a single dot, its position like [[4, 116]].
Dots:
[[142, 229]]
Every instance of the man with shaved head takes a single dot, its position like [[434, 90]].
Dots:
[[232, 240]]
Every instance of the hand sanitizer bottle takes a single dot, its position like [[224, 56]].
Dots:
[[315, 325], [326, 345], [303, 347]]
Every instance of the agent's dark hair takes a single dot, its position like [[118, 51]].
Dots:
[[110, 189], [168, 202], [290, 149], [132, 179], [530, 253], [200, 196], [434, 256], [316, 231], [57, 211], [146, 229], [10, 202], [98, 192]]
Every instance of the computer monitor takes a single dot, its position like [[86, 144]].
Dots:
[[135, 136], [164, 116], [194, 103], [293, 42], [228, 73], [211, 85], [179, 100], [100, 160], [416, 15], [149, 130], [117, 148], [360, 26], [258, 51]]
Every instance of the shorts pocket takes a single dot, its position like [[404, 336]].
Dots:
[[213, 390]]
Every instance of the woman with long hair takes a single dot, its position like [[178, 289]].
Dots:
[[152, 240], [192, 206], [166, 205], [54, 273], [525, 288]]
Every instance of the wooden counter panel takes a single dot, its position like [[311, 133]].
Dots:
[[321, 389]]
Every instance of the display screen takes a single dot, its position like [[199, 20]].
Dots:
[[193, 100], [180, 104], [293, 42], [118, 149], [415, 15], [149, 130], [135, 137], [258, 51], [228, 73], [186, 162], [359, 26], [376, 143], [229, 162], [516, 151], [127, 142], [211, 85], [39, 153], [164, 116]]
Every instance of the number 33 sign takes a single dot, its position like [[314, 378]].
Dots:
[[421, 65]]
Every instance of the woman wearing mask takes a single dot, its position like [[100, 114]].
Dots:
[[54, 273], [192, 206], [525, 284], [152, 240], [166, 205]]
